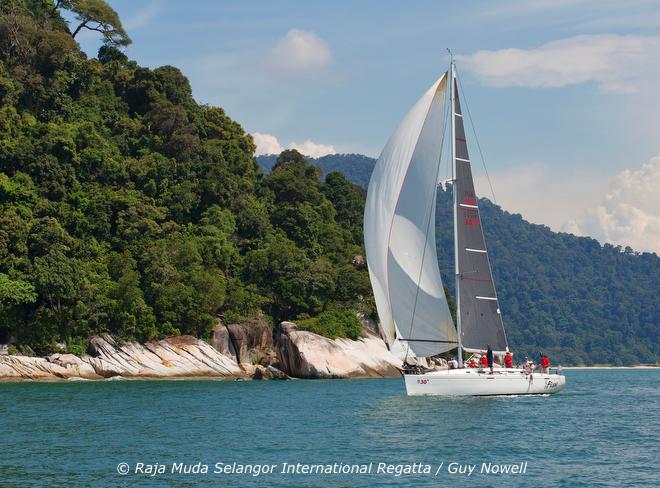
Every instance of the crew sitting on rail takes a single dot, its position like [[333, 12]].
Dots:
[[483, 361], [472, 363]]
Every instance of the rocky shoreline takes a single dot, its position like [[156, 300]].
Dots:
[[247, 350]]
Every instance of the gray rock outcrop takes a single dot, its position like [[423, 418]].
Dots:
[[221, 341], [181, 356], [253, 341], [303, 354]]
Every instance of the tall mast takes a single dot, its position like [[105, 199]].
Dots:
[[452, 80]]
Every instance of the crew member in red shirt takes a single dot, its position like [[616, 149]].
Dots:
[[484, 361], [508, 360], [472, 364], [545, 363]]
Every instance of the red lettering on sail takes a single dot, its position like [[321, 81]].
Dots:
[[471, 217]]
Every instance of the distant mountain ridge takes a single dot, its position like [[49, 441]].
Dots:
[[578, 301], [355, 167]]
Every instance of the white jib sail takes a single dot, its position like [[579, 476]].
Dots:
[[399, 233]]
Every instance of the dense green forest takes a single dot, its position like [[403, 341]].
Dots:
[[568, 296], [125, 206]]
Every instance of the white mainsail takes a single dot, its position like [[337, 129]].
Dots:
[[399, 233]]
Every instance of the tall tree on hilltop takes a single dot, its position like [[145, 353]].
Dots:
[[98, 16]]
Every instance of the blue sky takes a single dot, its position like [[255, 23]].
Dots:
[[565, 94]]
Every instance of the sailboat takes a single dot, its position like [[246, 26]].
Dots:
[[399, 233]]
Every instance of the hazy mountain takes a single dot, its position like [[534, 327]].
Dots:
[[356, 167]]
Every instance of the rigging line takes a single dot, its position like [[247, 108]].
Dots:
[[428, 225], [474, 131]]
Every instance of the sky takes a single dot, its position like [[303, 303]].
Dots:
[[564, 94]]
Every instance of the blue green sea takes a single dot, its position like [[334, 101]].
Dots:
[[603, 430]]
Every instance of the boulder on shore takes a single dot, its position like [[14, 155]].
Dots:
[[252, 340], [56, 366], [175, 356], [221, 341], [303, 354], [269, 373]]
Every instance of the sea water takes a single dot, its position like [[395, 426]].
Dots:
[[603, 430]]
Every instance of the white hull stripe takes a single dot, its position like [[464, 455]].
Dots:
[[467, 206], [486, 298], [464, 160], [474, 250], [458, 115]]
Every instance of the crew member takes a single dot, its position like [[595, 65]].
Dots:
[[472, 363], [483, 361], [508, 360], [489, 357], [545, 364]]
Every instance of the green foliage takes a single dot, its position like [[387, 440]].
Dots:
[[333, 324], [127, 207], [13, 292], [355, 167], [98, 16], [77, 346]]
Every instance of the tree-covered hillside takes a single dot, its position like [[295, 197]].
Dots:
[[356, 167], [568, 296], [125, 206]]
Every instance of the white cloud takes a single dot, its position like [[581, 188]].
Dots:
[[312, 149], [621, 209], [268, 144], [629, 215], [300, 51], [616, 63], [542, 193]]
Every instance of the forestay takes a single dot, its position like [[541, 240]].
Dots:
[[399, 233]]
